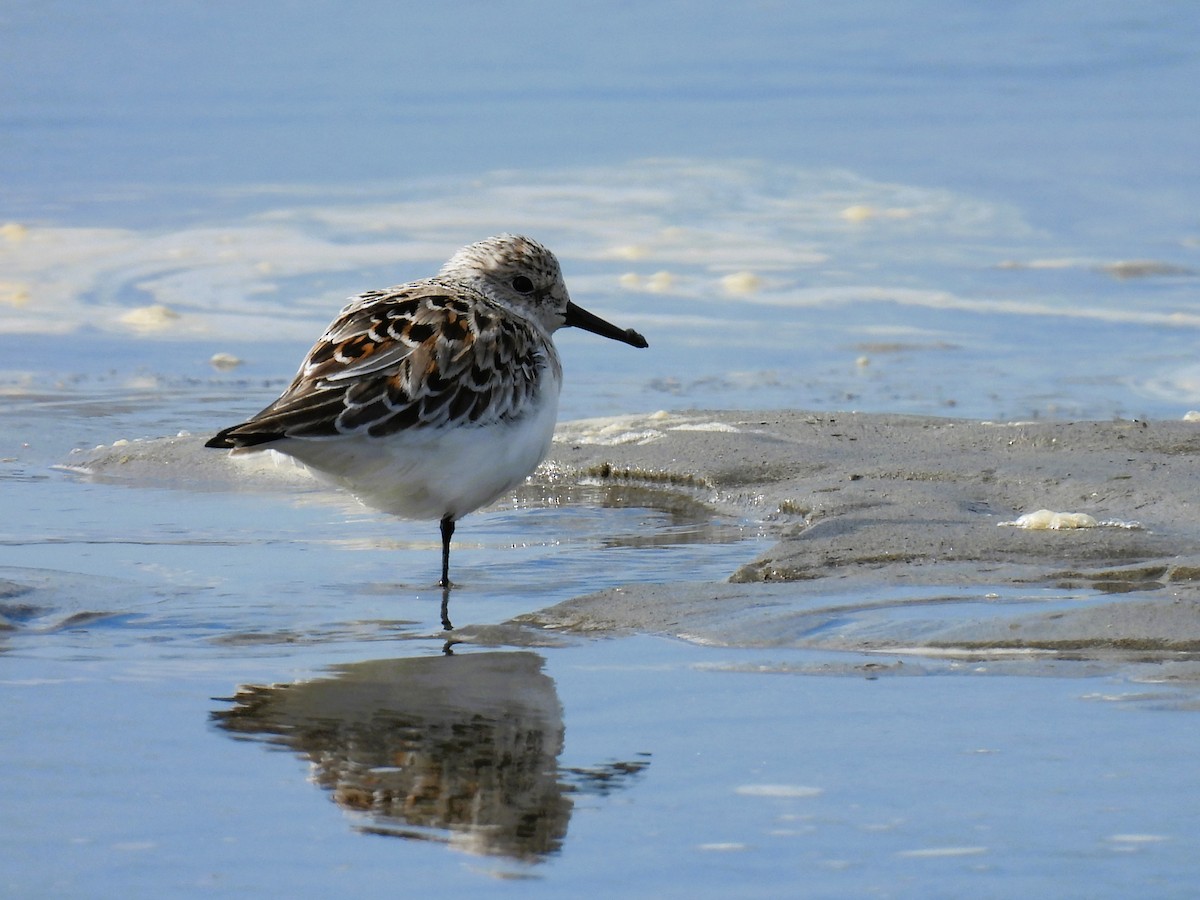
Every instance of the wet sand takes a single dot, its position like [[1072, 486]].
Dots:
[[867, 505], [892, 532]]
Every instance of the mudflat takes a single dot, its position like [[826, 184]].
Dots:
[[1068, 537]]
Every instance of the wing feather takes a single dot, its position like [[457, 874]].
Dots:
[[424, 355]]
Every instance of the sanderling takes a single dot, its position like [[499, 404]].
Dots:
[[431, 399]]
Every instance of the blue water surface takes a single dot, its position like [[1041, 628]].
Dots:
[[981, 210]]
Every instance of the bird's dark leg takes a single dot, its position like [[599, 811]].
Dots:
[[444, 584], [447, 533]]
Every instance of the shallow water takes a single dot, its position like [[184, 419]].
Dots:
[[895, 208]]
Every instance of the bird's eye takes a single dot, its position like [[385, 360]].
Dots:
[[523, 284]]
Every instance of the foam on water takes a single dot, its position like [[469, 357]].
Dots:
[[758, 285]]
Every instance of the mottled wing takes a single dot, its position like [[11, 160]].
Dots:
[[425, 355]]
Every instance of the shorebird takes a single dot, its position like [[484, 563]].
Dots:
[[431, 399]]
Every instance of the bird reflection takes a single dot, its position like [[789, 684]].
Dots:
[[461, 749]]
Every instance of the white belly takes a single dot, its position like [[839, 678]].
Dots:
[[432, 473]]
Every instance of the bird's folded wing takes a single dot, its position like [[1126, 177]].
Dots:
[[416, 357]]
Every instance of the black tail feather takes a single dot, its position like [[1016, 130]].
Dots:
[[230, 439]]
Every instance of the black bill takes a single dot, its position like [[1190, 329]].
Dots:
[[578, 317]]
